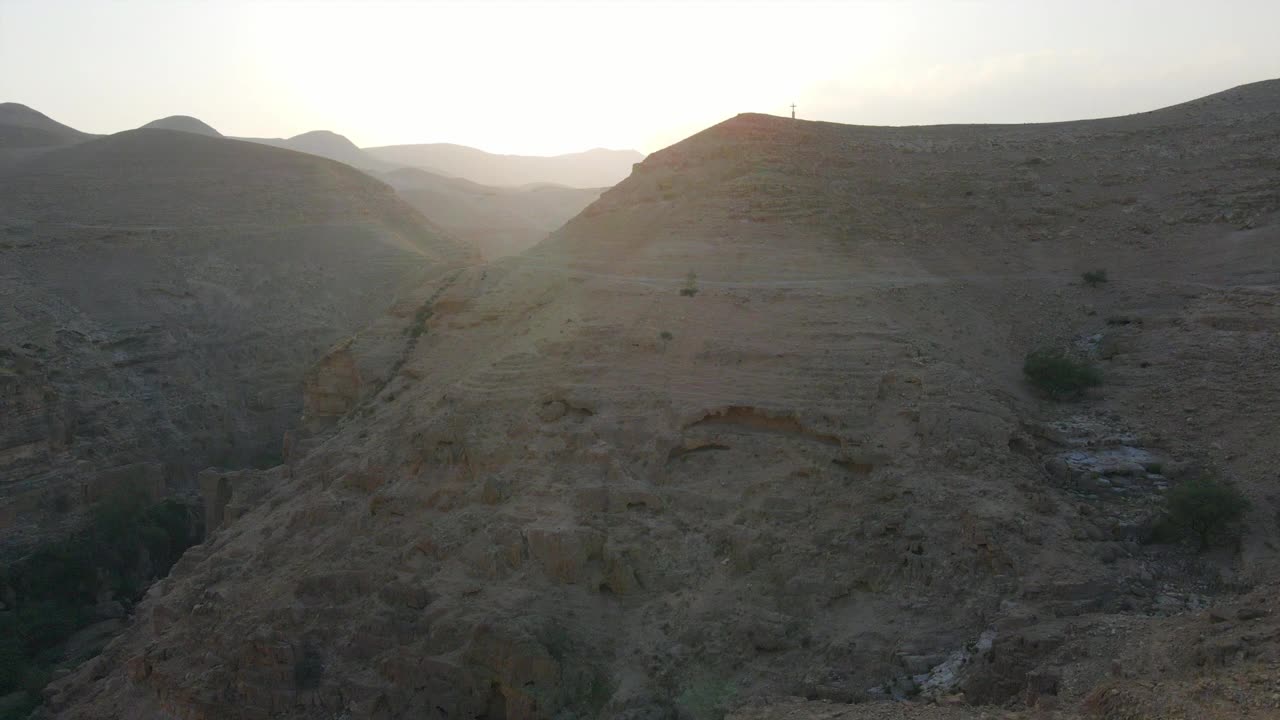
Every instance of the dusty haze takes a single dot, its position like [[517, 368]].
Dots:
[[556, 77]]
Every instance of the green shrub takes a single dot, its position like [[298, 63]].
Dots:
[[690, 285], [1058, 375], [1094, 278], [1206, 507]]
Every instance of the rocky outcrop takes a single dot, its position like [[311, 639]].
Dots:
[[331, 388]]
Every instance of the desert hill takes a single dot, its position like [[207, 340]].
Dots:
[[153, 177], [167, 291], [753, 425], [16, 115], [23, 127], [590, 169], [14, 138], [26, 133], [317, 142], [497, 221], [182, 123], [330, 145]]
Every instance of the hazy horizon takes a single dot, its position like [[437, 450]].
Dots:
[[550, 78]]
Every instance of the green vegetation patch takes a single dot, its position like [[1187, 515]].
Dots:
[[1206, 507], [1058, 375]]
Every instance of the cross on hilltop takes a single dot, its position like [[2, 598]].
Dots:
[[793, 111]]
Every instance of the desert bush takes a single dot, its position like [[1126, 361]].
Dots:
[[690, 285], [1058, 375], [1206, 507], [1094, 278]]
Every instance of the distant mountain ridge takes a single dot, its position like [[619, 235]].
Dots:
[[326, 143], [595, 168], [592, 168], [494, 220], [24, 131]]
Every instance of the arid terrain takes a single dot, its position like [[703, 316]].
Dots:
[[164, 294], [748, 437], [494, 221]]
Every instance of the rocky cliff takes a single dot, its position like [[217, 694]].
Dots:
[[754, 425]]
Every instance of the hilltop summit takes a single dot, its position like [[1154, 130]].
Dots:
[[182, 123], [23, 127], [18, 114], [329, 145]]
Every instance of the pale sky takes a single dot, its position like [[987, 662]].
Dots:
[[553, 77]]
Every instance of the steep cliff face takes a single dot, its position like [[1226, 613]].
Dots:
[[164, 295], [754, 425]]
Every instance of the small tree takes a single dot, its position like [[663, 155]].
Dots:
[[1094, 278], [1058, 375], [1206, 507]]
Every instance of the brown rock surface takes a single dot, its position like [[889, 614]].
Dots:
[[753, 426]]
